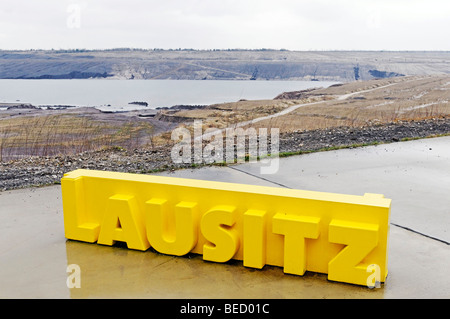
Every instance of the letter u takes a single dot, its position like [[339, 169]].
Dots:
[[173, 236]]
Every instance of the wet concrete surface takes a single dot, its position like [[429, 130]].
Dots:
[[415, 174], [34, 255]]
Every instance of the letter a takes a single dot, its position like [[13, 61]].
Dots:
[[122, 222]]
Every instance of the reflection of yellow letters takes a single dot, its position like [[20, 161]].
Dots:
[[361, 239], [174, 237], [216, 226], [122, 222], [295, 229]]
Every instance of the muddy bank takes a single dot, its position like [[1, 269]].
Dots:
[[37, 171]]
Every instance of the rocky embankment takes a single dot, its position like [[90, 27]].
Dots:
[[38, 171], [337, 137]]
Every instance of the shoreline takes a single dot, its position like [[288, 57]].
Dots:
[[48, 170], [341, 116]]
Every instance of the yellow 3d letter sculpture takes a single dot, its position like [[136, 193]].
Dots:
[[339, 235]]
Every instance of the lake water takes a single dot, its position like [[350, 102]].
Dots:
[[115, 95]]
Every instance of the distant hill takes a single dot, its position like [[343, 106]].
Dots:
[[343, 66]]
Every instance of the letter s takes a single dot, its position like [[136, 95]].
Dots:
[[216, 227]]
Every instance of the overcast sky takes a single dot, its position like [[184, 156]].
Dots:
[[222, 24]]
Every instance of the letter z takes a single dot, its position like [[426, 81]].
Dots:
[[361, 239]]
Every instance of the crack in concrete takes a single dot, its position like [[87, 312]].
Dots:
[[259, 177], [422, 234], [397, 225]]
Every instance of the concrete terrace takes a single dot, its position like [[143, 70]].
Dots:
[[34, 254]]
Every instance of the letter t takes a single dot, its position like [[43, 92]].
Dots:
[[295, 229]]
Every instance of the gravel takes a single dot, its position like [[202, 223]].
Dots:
[[39, 171], [359, 136]]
